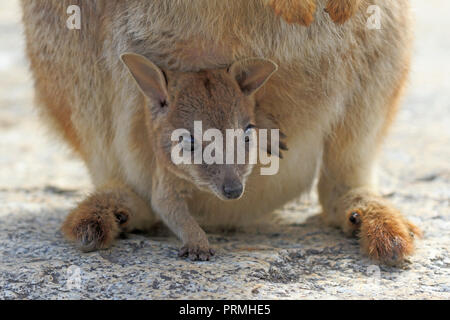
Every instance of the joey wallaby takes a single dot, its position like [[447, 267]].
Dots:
[[334, 96]]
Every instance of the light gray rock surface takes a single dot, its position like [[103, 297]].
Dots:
[[296, 258]]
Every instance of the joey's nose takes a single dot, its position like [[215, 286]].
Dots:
[[233, 190]]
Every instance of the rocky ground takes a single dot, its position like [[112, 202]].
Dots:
[[298, 258]]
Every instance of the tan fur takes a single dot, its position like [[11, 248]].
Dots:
[[334, 96]]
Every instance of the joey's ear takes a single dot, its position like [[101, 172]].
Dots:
[[252, 74], [149, 77]]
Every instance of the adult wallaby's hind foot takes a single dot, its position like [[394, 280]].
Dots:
[[98, 220], [385, 234]]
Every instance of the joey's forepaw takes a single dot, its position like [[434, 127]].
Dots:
[[295, 11], [282, 146], [96, 222], [197, 252], [385, 235]]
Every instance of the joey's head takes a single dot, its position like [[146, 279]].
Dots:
[[202, 123]]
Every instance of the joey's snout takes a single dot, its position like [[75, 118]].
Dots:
[[233, 190]]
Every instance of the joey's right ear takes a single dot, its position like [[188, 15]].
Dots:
[[251, 74], [150, 79]]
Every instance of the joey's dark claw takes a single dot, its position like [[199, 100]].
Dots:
[[121, 217], [355, 218]]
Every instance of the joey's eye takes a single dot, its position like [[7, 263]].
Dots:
[[249, 128], [189, 143], [248, 132]]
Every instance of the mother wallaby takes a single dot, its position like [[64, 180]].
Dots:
[[334, 96]]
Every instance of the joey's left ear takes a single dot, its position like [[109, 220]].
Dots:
[[150, 79], [252, 74]]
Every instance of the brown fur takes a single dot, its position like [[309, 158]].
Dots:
[[334, 96]]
